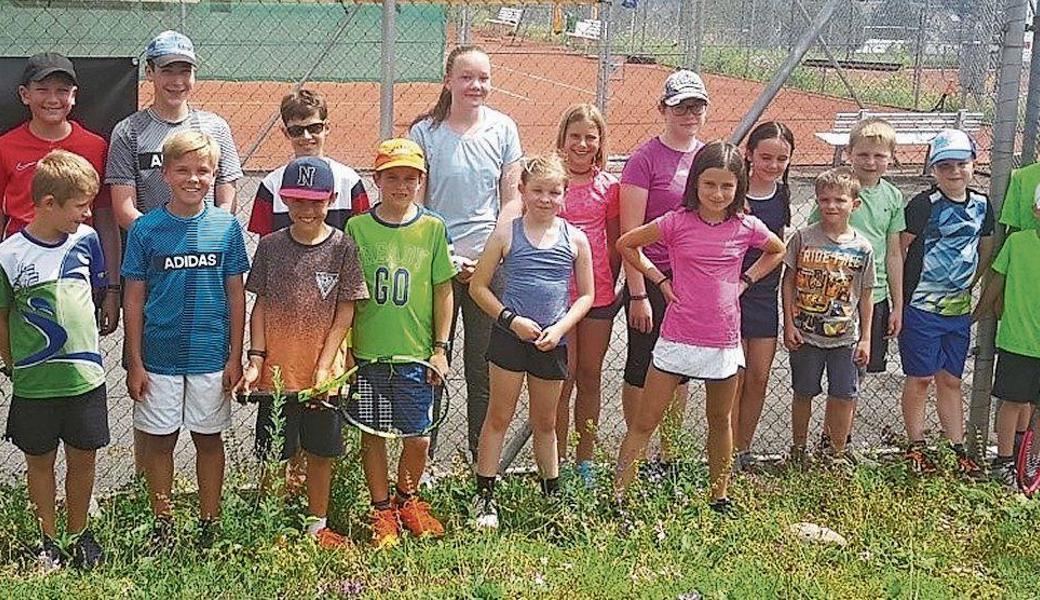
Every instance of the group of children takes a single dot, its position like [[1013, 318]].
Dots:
[[528, 250]]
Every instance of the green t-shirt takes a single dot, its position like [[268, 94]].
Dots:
[[1021, 195], [48, 291], [880, 214], [402, 263], [1018, 260]]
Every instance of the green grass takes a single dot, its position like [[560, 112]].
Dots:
[[908, 538]]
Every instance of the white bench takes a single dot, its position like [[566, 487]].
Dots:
[[587, 30], [912, 128], [509, 18]]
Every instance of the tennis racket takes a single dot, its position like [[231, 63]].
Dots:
[[392, 397], [1027, 463]]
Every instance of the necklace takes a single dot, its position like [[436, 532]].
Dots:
[[710, 223]]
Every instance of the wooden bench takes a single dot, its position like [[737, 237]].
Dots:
[[509, 18], [586, 30], [912, 128]]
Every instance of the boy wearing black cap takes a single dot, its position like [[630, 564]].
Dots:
[[306, 278], [48, 89]]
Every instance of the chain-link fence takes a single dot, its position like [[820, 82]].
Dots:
[[882, 55]]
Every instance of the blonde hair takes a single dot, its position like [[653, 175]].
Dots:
[[64, 176], [585, 112], [186, 142], [841, 178], [874, 129], [544, 166]]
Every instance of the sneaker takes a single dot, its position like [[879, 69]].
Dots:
[[838, 461], [50, 557], [485, 512], [723, 507], [798, 457], [208, 530], [328, 539], [919, 462], [415, 516], [87, 553], [969, 469], [386, 531], [1005, 474], [163, 536], [745, 462]]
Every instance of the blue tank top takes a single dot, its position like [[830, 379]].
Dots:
[[775, 212], [537, 280]]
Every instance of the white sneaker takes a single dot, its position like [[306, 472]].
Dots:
[[485, 512]]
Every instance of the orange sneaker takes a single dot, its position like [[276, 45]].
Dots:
[[415, 515], [329, 539], [385, 529]]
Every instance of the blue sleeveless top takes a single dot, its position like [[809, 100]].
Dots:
[[537, 280]]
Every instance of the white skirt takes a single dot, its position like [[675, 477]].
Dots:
[[697, 362]]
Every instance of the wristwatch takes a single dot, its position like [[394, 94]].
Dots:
[[747, 279]]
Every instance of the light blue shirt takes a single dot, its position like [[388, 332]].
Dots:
[[464, 174]]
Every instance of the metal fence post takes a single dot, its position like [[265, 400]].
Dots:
[[1032, 99], [386, 85], [465, 23], [606, 59], [1005, 122]]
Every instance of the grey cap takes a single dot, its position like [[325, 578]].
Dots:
[[683, 85]]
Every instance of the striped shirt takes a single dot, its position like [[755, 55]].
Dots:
[[135, 154], [185, 263], [271, 214]]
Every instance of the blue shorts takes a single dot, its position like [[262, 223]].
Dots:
[[759, 315], [403, 387], [930, 343], [809, 363]]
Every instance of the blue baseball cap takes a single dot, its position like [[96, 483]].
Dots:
[[170, 47], [308, 178], [951, 144]]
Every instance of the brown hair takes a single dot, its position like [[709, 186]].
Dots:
[[439, 112], [717, 155], [544, 166], [64, 176], [841, 178], [585, 112], [770, 130], [300, 104]]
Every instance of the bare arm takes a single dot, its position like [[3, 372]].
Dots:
[[772, 256], [236, 294], [630, 246], [480, 283], [5, 339], [341, 323], [443, 303], [257, 341], [985, 258], [224, 196], [112, 248], [991, 302], [124, 205], [866, 314], [551, 335], [633, 212], [792, 337], [895, 255], [509, 192], [613, 233], [905, 239], [133, 328]]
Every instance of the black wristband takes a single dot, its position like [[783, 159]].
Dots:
[[747, 279], [440, 344], [257, 353], [638, 297], [661, 281], [506, 317]]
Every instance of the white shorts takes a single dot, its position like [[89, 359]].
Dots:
[[195, 402], [697, 362]]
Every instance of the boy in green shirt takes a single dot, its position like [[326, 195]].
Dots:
[[1011, 295]]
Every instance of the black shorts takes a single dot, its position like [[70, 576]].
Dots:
[[641, 345], [508, 352], [35, 425], [316, 430], [878, 337], [604, 313], [1017, 378], [759, 315]]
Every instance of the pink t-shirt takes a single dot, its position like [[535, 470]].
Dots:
[[706, 266], [662, 172], [588, 207]]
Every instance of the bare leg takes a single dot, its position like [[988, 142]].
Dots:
[[673, 421], [747, 411], [412, 463], [42, 490], [837, 421], [594, 335], [719, 401], [543, 396], [209, 466], [1008, 417], [659, 390], [563, 408], [159, 471], [915, 393], [79, 485], [950, 405], [801, 414], [505, 391], [374, 463], [140, 452], [319, 484]]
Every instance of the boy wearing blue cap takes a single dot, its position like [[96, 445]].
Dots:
[[306, 278], [948, 244]]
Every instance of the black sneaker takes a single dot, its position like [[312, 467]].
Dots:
[[163, 536], [1005, 474], [208, 530], [50, 557], [723, 507], [86, 552]]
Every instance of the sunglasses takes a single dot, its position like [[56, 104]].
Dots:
[[313, 129], [692, 108]]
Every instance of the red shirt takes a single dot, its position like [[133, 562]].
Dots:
[[19, 152]]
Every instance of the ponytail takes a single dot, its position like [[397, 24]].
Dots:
[[440, 110]]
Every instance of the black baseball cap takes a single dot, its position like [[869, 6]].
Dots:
[[43, 64]]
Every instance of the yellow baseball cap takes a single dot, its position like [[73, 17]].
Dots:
[[400, 152]]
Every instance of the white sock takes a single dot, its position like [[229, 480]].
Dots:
[[317, 525]]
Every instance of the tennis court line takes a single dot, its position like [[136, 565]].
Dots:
[[547, 80]]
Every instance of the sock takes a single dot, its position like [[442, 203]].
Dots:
[[959, 449], [382, 504], [486, 485], [317, 525], [1003, 460], [1018, 442], [403, 496], [550, 486]]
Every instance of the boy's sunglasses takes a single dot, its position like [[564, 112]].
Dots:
[[313, 129]]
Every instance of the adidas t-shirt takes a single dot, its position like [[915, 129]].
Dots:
[[300, 287], [135, 154], [402, 263], [185, 263], [270, 213], [48, 289]]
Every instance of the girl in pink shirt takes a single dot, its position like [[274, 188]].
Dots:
[[591, 205], [700, 335]]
